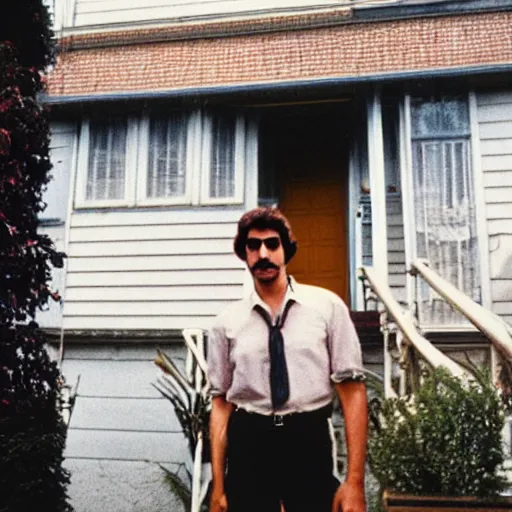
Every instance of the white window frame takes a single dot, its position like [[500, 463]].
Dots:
[[199, 141], [193, 148], [81, 200], [240, 158], [406, 172]]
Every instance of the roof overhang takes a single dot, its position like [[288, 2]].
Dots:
[[297, 85]]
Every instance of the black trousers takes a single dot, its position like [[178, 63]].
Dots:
[[291, 463]]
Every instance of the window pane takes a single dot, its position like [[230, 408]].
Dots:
[[107, 159], [167, 164], [222, 162], [448, 116]]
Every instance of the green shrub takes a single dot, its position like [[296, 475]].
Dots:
[[444, 441], [32, 431]]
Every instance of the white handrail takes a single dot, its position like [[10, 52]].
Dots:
[[484, 320], [431, 354]]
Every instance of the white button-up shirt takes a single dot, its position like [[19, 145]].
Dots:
[[321, 347]]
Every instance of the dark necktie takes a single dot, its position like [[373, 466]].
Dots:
[[279, 385]]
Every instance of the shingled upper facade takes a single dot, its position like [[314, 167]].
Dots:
[[276, 50]]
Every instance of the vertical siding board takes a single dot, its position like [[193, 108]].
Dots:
[[53, 218], [495, 126]]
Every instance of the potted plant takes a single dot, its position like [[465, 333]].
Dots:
[[441, 448]]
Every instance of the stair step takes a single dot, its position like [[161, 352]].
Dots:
[[367, 325]]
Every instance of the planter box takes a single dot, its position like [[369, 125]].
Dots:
[[405, 503]]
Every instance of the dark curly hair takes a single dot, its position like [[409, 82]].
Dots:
[[265, 218]]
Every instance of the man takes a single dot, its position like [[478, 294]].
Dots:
[[272, 360]]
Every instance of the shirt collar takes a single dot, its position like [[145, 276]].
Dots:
[[291, 294]]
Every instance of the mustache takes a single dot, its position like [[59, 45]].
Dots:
[[263, 265]]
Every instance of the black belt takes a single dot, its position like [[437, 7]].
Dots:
[[293, 419]]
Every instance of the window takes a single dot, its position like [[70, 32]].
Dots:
[[166, 158], [223, 158], [106, 159], [446, 231], [176, 157]]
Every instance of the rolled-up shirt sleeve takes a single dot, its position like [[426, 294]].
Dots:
[[220, 370], [344, 346]]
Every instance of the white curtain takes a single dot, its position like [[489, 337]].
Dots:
[[167, 164], [107, 159], [222, 162]]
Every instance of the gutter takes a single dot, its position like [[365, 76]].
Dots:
[[490, 69]]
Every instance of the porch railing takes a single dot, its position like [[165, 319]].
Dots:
[[491, 325], [407, 336]]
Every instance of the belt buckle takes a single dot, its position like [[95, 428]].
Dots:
[[278, 420]]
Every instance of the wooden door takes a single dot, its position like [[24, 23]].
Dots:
[[312, 165]]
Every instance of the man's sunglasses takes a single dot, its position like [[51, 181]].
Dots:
[[271, 243]]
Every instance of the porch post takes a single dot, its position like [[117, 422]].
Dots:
[[406, 181], [377, 185]]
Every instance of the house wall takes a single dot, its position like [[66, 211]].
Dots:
[[145, 269], [104, 12], [162, 269], [121, 429], [495, 134]]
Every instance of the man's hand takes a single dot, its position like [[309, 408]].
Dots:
[[349, 498], [218, 501], [350, 495]]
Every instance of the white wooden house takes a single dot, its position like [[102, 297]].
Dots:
[[383, 130]]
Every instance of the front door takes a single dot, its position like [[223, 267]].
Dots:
[[312, 169]]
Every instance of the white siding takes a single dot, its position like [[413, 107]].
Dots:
[[165, 269], [107, 12], [495, 133], [54, 216], [121, 429]]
